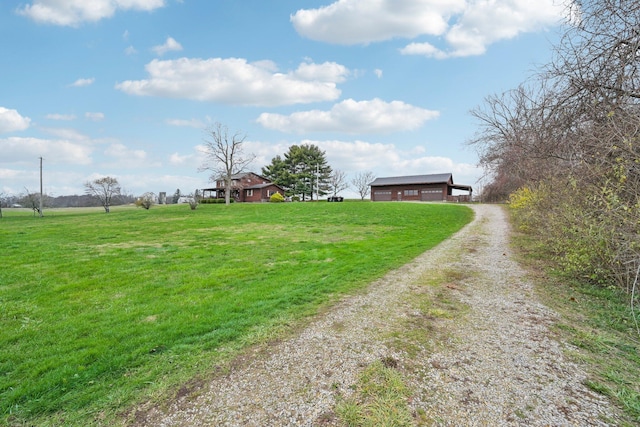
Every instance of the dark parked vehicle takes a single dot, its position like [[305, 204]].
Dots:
[[335, 199]]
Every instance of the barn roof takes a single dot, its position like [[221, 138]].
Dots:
[[437, 178]]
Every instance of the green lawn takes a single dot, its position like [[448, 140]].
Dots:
[[100, 311]]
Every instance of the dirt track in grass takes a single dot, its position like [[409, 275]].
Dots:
[[495, 362]]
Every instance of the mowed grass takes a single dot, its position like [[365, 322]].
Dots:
[[98, 312]]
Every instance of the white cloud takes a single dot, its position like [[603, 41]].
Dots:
[[8, 174], [122, 152], [130, 50], [171, 45], [83, 82], [72, 13], [177, 159], [378, 73], [18, 150], [61, 117], [423, 49], [375, 116], [237, 82], [365, 21], [66, 134], [325, 72], [95, 117], [119, 156], [11, 120], [194, 123], [467, 26], [484, 23]]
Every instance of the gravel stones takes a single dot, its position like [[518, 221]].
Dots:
[[501, 366]]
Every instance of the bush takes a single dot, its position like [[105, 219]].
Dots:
[[276, 198], [146, 201], [193, 202], [561, 216]]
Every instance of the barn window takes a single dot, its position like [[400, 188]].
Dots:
[[410, 192], [249, 193]]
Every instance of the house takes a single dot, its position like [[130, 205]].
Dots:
[[245, 187], [426, 188]]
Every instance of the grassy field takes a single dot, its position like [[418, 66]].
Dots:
[[100, 311], [598, 322]]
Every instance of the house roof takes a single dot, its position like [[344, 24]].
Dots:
[[241, 175], [438, 178], [263, 185]]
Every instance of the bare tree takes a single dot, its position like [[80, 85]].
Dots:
[[225, 156], [338, 181], [103, 189], [361, 183], [2, 200], [566, 145], [35, 201]]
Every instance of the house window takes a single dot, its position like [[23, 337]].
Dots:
[[410, 192], [249, 193]]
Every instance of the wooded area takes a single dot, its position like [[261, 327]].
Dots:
[[563, 146]]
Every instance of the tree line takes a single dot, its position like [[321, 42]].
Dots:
[[563, 147]]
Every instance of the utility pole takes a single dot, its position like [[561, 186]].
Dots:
[[317, 182], [40, 208]]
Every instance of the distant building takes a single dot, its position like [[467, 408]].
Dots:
[[426, 188], [246, 187]]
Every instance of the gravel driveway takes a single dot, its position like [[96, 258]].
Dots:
[[500, 365]]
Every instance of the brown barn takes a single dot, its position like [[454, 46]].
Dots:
[[246, 187], [426, 188]]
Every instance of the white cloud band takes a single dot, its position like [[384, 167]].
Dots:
[[237, 82], [349, 116]]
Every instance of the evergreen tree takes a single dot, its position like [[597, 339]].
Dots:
[[303, 172], [278, 173], [176, 196]]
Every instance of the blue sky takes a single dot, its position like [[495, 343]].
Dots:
[[127, 88]]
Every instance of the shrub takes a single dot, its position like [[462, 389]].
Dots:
[[193, 201], [276, 198], [578, 239], [146, 201]]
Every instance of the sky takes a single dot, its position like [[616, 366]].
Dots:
[[129, 88]]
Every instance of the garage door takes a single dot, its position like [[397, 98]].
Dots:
[[434, 195], [382, 196]]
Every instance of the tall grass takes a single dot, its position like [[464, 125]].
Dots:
[[101, 311], [598, 322]]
